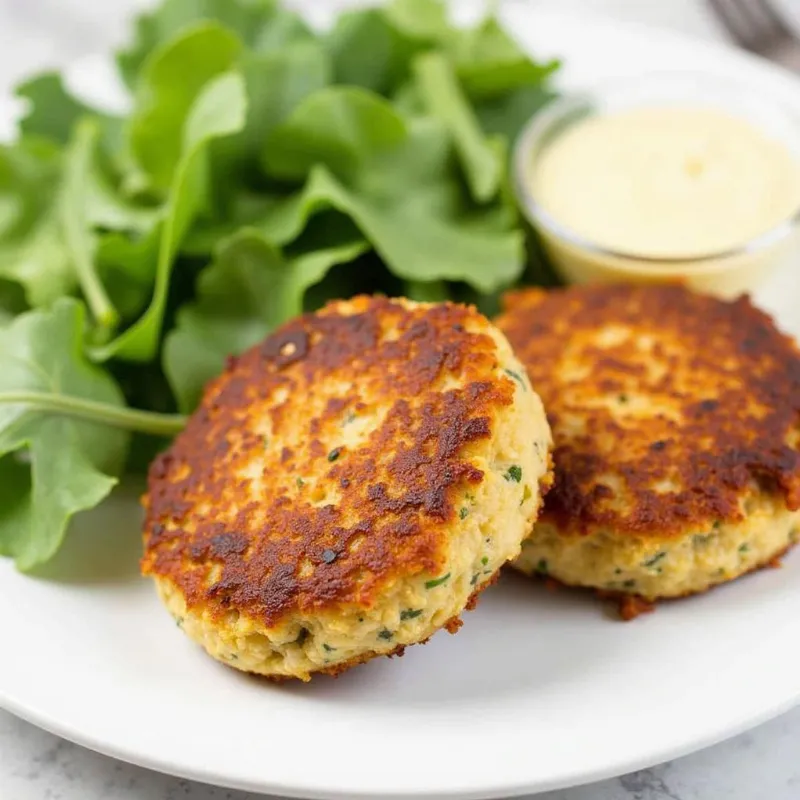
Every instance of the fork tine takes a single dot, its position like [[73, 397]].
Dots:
[[730, 14], [772, 18]]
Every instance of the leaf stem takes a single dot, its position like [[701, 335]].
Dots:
[[101, 413], [72, 211]]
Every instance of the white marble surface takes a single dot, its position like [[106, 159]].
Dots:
[[35, 765]]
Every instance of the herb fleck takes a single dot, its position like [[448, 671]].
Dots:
[[793, 535], [474, 579], [385, 634], [179, 621], [514, 473], [629, 584], [328, 648], [717, 525], [410, 613], [743, 548], [485, 560], [651, 562], [300, 483], [542, 567], [432, 584], [464, 513], [622, 398], [517, 377], [349, 418], [334, 454]]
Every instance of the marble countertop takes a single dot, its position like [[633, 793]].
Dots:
[[35, 765]]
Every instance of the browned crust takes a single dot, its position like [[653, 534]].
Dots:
[[631, 606], [724, 383], [222, 498]]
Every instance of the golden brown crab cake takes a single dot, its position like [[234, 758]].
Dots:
[[676, 422], [346, 487]]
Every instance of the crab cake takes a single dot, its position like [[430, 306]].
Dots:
[[347, 487], [676, 421]]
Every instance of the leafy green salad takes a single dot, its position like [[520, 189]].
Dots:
[[262, 169]]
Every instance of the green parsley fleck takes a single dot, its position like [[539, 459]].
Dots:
[[618, 571], [517, 377], [470, 498], [334, 454], [463, 513], [542, 567], [717, 525], [233, 657], [629, 584], [474, 579], [514, 473], [701, 539], [385, 634], [410, 613], [300, 483], [349, 418], [328, 648], [179, 621], [623, 398], [743, 548], [485, 560], [432, 584], [651, 562]]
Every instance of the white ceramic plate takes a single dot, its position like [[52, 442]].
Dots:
[[538, 690]]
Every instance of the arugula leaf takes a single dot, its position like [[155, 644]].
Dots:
[[172, 80], [340, 126], [78, 237], [390, 183], [249, 289], [52, 111], [440, 249], [421, 19], [368, 51], [507, 115], [31, 250], [220, 110], [276, 83], [490, 64], [261, 24], [73, 465], [482, 160]]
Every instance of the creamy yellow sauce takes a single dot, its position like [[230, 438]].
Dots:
[[667, 182]]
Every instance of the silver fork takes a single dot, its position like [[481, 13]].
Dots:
[[756, 26]]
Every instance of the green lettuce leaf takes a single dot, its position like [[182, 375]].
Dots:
[[483, 160], [262, 25], [220, 110], [249, 289], [172, 80], [51, 466], [395, 180], [490, 64], [32, 251]]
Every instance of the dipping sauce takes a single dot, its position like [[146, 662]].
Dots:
[[664, 177], [667, 182]]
